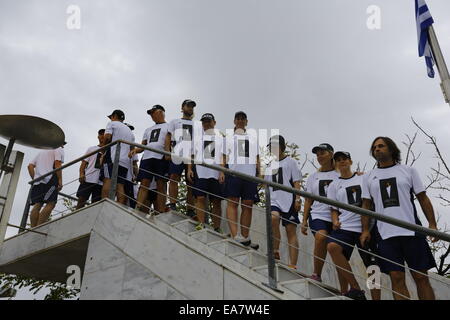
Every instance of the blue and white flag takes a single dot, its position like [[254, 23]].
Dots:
[[424, 21]]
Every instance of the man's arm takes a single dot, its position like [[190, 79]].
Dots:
[[107, 139], [31, 170], [83, 166], [59, 174], [167, 144], [298, 198], [428, 211], [306, 211], [365, 222]]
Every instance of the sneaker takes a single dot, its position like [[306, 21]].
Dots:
[[292, 266], [172, 207], [191, 213], [315, 277], [199, 227], [248, 243], [356, 294], [276, 255]]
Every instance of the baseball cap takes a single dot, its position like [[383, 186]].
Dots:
[[323, 146], [207, 116], [240, 113], [118, 113], [277, 139], [342, 154], [188, 103], [154, 108]]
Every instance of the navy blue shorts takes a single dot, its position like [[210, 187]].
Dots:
[[87, 190], [240, 188], [290, 217], [122, 174], [212, 186], [349, 240], [413, 250], [176, 168], [45, 192], [318, 224], [153, 169]]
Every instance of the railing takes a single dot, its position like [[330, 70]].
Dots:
[[272, 279]]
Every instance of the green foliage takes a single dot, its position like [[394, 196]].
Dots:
[[58, 291]]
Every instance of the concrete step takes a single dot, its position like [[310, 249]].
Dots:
[[307, 289], [228, 247], [207, 236], [251, 259]]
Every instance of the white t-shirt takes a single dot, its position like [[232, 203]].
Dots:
[[92, 173], [208, 149], [242, 152], [391, 190], [155, 137], [120, 131], [183, 134], [44, 162], [347, 190], [318, 184], [284, 172]]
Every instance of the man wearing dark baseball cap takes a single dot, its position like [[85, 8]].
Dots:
[[179, 141], [207, 148], [118, 113], [154, 108], [117, 130], [153, 166]]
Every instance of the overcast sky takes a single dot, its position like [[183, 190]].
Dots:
[[312, 69]]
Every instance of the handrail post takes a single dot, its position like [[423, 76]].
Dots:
[[115, 172], [272, 275], [26, 211]]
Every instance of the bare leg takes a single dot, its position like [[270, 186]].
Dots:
[[46, 212], [343, 268], [142, 194], [161, 198], [81, 202], [320, 251], [120, 193], [276, 230], [34, 216], [217, 213], [173, 188], [232, 215], [200, 203], [246, 217], [106, 187], [424, 289], [399, 285], [291, 231]]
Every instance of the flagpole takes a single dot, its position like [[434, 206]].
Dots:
[[440, 63]]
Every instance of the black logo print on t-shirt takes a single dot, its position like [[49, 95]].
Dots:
[[323, 187], [209, 150], [389, 192], [278, 178], [187, 132], [243, 148], [154, 136], [354, 195]]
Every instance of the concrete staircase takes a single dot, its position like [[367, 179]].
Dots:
[[124, 255]]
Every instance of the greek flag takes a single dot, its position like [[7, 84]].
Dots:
[[424, 21]]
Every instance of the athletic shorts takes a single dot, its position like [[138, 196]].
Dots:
[[153, 168], [414, 250], [86, 190], [45, 192], [346, 239], [176, 168], [318, 224], [212, 186], [122, 173], [290, 217], [240, 188]]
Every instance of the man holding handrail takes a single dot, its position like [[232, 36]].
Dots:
[[45, 190], [116, 130], [391, 186]]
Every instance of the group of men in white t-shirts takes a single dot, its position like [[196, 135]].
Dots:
[[182, 144]]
